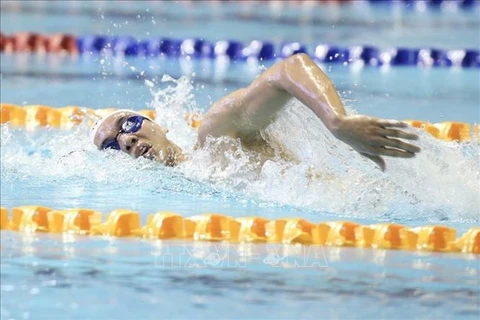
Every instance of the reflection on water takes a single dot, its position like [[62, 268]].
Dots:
[[108, 276]]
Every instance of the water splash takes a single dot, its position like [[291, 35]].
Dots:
[[441, 183], [171, 104]]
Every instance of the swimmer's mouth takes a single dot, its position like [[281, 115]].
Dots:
[[146, 152]]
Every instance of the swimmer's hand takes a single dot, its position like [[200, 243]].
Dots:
[[374, 138]]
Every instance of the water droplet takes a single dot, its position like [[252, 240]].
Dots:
[[34, 291]]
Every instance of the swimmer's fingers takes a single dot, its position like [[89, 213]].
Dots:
[[391, 123], [395, 133], [383, 151], [394, 143], [388, 128], [377, 159]]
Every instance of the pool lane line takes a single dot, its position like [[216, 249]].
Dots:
[[166, 225], [32, 117], [238, 51]]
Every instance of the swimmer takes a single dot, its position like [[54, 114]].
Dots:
[[244, 113]]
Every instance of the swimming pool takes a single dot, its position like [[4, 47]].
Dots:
[[73, 277]]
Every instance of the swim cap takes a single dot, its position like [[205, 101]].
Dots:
[[98, 123]]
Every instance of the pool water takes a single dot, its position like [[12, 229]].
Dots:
[[45, 276], [393, 24]]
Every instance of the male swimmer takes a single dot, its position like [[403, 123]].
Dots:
[[244, 113]]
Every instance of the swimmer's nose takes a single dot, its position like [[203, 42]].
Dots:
[[128, 143]]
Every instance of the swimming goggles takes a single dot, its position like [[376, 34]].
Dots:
[[130, 125]]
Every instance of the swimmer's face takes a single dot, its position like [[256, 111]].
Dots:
[[136, 135]]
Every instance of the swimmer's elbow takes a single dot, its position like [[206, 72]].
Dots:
[[294, 70], [297, 61], [299, 57]]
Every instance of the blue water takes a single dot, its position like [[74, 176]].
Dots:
[[46, 276]]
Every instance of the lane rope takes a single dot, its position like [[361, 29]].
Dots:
[[36, 116], [217, 227], [199, 48]]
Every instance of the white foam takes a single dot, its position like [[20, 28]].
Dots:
[[442, 182]]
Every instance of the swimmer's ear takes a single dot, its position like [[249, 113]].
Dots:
[[377, 159]]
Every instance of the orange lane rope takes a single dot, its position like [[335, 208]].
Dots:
[[217, 227], [34, 116]]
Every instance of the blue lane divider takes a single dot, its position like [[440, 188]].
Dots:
[[266, 50], [464, 4]]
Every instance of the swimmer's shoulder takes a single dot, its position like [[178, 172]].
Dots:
[[223, 118]]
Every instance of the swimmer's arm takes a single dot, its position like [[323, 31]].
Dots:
[[299, 77], [248, 110], [254, 107]]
